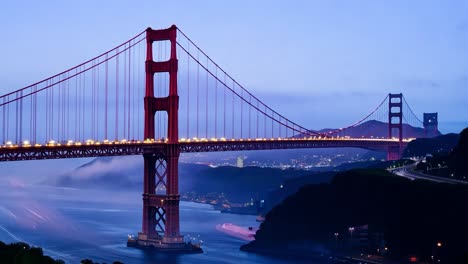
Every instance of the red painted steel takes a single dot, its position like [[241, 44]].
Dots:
[[394, 153], [161, 218], [134, 148]]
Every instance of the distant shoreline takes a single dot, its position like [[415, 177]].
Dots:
[[222, 210]]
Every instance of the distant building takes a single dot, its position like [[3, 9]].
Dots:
[[240, 162], [431, 125]]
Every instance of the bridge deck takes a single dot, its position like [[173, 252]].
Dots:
[[97, 149]]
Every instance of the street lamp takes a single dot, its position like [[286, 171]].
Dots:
[[351, 229]]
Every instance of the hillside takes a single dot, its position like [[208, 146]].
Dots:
[[437, 145], [238, 185], [401, 209], [452, 164], [23, 253], [378, 129]]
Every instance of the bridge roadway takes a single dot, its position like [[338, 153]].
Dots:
[[125, 148]]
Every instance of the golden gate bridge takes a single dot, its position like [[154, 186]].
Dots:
[[158, 95]]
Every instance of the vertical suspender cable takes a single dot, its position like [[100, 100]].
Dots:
[[224, 111], [258, 124], [198, 89], [272, 116], [206, 102], [7, 118], [83, 106], [35, 114], [31, 114], [241, 114], [63, 107], [134, 87], [233, 115], [92, 101], [116, 132], [59, 95], [128, 91], [250, 112], [188, 90], [47, 112], [106, 95], [21, 118], [67, 126], [216, 103], [80, 79], [124, 93], [52, 111], [76, 105], [140, 89], [279, 126], [16, 120], [3, 121], [265, 123], [97, 102]]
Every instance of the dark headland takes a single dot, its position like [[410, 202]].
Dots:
[[399, 216]]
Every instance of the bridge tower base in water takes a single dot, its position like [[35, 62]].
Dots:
[[160, 225]]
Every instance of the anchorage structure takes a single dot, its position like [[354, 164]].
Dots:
[[160, 225]]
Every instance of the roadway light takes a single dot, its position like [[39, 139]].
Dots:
[[351, 229]]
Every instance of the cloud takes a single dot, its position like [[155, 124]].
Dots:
[[101, 166]]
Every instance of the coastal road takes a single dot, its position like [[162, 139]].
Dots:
[[408, 171]]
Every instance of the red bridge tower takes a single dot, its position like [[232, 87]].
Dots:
[[395, 101], [160, 226]]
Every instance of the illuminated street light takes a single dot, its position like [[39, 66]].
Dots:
[[351, 229]]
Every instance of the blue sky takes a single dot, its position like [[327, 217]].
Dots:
[[335, 58]]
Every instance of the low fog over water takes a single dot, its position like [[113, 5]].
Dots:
[[74, 224]]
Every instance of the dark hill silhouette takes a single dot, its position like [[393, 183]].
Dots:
[[438, 145], [412, 215], [378, 129], [23, 253], [461, 150], [459, 157], [452, 164]]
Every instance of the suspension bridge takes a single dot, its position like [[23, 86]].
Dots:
[[158, 95]]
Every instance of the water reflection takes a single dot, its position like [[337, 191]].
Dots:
[[73, 224]]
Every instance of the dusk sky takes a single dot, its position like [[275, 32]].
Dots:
[[306, 59]]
